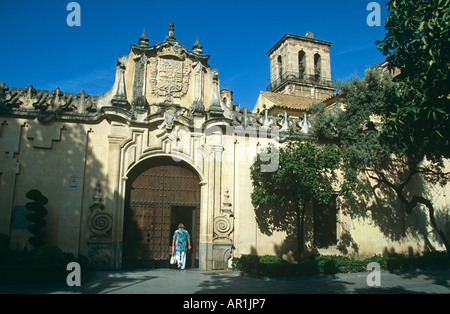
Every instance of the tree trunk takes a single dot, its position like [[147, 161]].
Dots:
[[300, 232], [409, 205], [419, 199]]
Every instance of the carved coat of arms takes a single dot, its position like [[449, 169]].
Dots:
[[169, 78]]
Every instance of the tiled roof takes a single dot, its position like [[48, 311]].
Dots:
[[289, 101]]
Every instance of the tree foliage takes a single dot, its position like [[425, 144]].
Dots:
[[394, 130], [416, 119], [354, 125], [417, 44], [304, 173], [413, 139], [359, 130]]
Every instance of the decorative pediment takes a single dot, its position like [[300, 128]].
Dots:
[[172, 52]]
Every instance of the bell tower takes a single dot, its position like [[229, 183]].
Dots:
[[300, 66]]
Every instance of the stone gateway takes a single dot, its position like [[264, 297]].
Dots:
[[166, 145]]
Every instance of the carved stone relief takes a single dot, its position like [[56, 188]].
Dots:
[[224, 223], [139, 100], [169, 78], [8, 97], [46, 105], [100, 222]]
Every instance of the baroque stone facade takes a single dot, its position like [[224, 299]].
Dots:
[[165, 143]]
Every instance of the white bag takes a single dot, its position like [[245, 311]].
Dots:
[[173, 259]]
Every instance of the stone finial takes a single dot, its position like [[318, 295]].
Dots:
[[120, 99], [215, 109], [244, 119], [171, 35], [265, 121], [197, 48], [98, 199], [227, 206], [304, 124], [284, 122], [143, 40]]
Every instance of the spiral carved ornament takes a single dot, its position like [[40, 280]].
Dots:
[[222, 226]]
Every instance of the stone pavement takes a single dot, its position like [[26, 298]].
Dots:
[[194, 281]]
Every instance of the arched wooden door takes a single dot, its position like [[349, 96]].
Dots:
[[158, 197]]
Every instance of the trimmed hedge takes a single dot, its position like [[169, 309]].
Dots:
[[274, 266]]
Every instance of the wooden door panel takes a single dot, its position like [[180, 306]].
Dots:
[[151, 196]]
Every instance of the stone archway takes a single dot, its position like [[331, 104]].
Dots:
[[160, 193]]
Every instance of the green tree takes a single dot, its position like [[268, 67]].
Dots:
[[366, 145], [303, 176], [354, 125], [416, 117], [417, 45]]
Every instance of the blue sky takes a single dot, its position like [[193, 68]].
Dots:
[[39, 48]]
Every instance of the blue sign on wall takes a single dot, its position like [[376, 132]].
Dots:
[[19, 218]]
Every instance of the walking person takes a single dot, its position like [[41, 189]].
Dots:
[[181, 242]]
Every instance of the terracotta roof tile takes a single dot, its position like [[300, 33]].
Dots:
[[289, 101]]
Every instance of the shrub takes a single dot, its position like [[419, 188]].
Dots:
[[4, 241], [432, 259], [263, 266], [398, 262], [36, 217], [274, 266], [270, 259], [47, 265], [329, 264], [248, 263], [307, 268], [49, 253], [49, 259]]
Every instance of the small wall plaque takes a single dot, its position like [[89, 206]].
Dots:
[[73, 183]]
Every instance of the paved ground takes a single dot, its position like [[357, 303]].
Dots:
[[193, 281]]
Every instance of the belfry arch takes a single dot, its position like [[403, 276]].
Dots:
[[159, 194]]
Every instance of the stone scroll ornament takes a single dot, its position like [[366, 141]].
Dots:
[[100, 222], [224, 224]]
